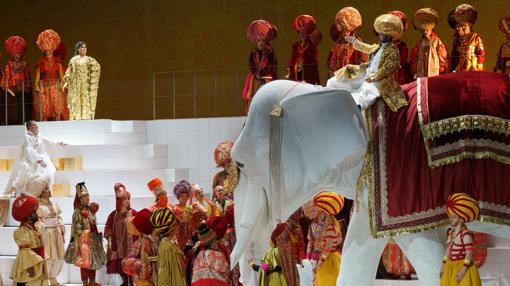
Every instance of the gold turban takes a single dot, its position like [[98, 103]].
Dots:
[[425, 17], [390, 25]]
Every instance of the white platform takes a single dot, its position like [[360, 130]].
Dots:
[[133, 152]]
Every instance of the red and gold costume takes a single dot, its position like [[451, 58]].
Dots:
[[468, 53], [18, 81], [119, 239], [404, 71], [140, 263], [328, 267], [229, 176], [262, 60], [347, 20], [461, 208], [49, 101], [503, 60], [304, 62], [212, 263], [428, 56], [182, 211], [85, 250], [29, 267]]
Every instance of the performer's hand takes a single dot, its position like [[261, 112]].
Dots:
[[31, 272], [350, 39], [37, 88], [460, 274]]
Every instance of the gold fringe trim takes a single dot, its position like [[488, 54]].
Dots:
[[466, 122]]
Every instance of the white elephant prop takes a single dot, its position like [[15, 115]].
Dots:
[[297, 140]]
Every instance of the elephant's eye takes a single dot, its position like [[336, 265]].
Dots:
[[240, 165]]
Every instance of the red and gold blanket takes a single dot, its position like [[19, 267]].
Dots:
[[454, 136]]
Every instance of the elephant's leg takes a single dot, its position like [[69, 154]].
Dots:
[[425, 251], [361, 252]]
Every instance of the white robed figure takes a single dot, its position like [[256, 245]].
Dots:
[[32, 161]]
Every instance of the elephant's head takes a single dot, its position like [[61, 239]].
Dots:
[[316, 141]]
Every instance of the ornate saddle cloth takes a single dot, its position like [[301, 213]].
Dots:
[[454, 136]]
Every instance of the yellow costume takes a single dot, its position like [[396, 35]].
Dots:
[[170, 264], [170, 257], [27, 238], [274, 275], [82, 79]]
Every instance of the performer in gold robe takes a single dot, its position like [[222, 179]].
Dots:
[[82, 81], [29, 268], [378, 78], [170, 257]]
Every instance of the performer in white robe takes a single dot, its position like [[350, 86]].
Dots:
[[50, 226], [33, 160]]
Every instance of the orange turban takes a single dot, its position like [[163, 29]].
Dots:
[[464, 206], [329, 202], [156, 186], [348, 18], [48, 40]]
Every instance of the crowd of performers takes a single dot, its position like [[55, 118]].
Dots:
[[427, 57], [57, 92], [189, 243]]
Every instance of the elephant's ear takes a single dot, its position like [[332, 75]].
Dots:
[[317, 141]]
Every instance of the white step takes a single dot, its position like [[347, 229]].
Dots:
[[86, 132]]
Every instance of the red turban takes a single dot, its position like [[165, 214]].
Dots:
[[305, 23], [142, 221], [219, 225], [48, 40], [402, 16], [23, 206], [14, 45], [261, 30]]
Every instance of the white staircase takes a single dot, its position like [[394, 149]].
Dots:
[[131, 152]]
